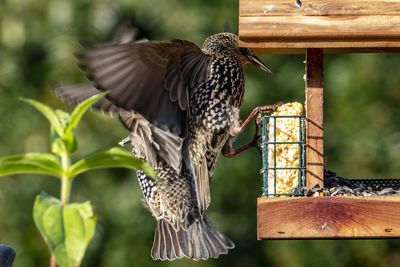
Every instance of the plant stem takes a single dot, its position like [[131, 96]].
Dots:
[[53, 262], [65, 180], [65, 190], [65, 193]]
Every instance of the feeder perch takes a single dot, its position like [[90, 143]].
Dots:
[[313, 28]]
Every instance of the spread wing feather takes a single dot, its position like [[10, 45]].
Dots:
[[154, 140], [154, 78]]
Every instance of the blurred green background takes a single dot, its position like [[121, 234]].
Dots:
[[37, 42]]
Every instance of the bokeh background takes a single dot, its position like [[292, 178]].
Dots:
[[37, 42]]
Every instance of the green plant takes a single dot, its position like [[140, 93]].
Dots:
[[66, 227]]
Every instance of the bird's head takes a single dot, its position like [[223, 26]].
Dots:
[[227, 44]]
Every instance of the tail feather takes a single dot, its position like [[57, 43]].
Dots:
[[170, 251], [184, 244], [155, 252], [217, 238], [213, 242], [201, 241]]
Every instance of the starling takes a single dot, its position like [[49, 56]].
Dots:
[[181, 105]]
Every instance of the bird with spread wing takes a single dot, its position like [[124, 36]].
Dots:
[[181, 106]]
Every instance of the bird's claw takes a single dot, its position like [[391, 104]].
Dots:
[[257, 137], [277, 105], [228, 151], [256, 142], [266, 109], [260, 111]]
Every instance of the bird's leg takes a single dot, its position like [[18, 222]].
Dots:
[[258, 111], [227, 149]]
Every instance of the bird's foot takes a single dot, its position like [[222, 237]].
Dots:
[[258, 111], [228, 151]]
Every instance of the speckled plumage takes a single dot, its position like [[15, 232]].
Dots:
[[181, 105], [214, 107]]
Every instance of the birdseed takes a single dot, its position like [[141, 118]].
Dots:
[[339, 186]]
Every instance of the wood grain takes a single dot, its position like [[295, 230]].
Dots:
[[259, 49], [314, 117], [328, 217], [279, 24], [329, 27], [263, 8]]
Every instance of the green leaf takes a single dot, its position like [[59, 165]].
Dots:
[[43, 163], [79, 224], [63, 117], [58, 146], [80, 110], [70, 142], [49, 113], [113, 157], [65, 144], [67, 229]]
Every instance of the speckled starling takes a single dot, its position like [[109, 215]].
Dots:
[[181, 105]]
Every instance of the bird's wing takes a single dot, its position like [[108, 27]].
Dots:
[[153, 78], [203, 153], [75, 94], [153, 140]]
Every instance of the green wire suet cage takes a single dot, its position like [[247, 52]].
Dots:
[[271, 168]]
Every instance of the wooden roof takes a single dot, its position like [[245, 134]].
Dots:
[[281, 26]]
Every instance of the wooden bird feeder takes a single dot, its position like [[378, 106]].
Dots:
[[313, 28]]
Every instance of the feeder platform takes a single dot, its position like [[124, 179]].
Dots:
[[328, 217], [315, 27]]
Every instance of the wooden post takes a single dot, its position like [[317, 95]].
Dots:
[[314, 117]]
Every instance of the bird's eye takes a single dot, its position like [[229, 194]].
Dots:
[[243, 50]]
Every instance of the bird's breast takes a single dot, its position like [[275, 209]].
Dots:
[[213, 101]]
